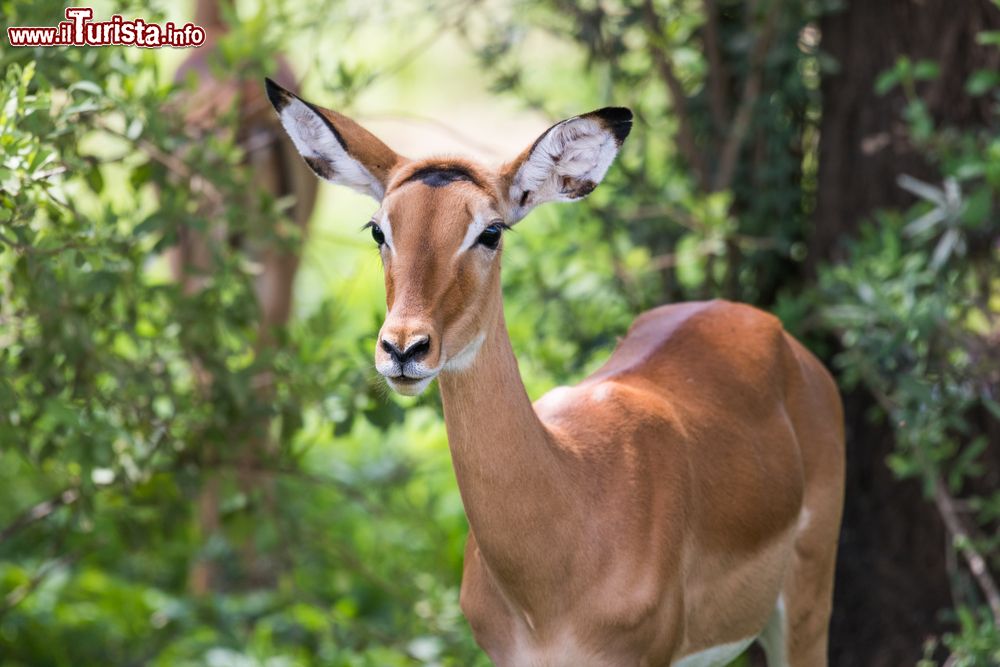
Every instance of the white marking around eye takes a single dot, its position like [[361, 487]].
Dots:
[[475, 228], [383, 223]]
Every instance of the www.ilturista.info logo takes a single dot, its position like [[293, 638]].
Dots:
[[79, 30]]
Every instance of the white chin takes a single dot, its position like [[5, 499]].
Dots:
[[409, 388]]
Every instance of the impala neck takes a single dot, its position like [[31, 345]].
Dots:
[[511, 477]]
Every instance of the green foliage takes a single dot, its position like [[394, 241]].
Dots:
[[109, 435], [707, 233], [916, 310]]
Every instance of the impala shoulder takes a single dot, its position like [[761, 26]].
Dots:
[[719, 315], [563, 404], [599, 411], [717, 325]]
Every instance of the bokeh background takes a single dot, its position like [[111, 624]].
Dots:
[[187, 480]]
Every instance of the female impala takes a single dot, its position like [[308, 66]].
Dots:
[[676, 505]]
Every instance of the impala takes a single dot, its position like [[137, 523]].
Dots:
[[676, 505]]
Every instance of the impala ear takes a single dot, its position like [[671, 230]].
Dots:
[[566, 162], [334, 146]]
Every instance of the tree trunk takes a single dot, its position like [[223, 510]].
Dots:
[[863, 144], [891, 576]]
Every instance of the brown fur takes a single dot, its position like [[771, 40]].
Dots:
[[658, 508]]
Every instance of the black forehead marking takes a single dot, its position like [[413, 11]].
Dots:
[[438, 176]]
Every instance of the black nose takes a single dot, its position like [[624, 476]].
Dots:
[[416, 350]]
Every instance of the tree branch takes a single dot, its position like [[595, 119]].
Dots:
[[751, 91], [947, 508], [718, 76], [177, 166], [39, 512], [665, 67], [963, 542], [17, 596]]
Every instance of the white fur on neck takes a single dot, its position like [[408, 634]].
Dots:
[[463, 360]]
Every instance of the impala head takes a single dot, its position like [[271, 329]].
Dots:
[[440, 223]]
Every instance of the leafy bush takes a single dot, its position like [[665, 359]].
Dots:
[[916, 309], [109, 436]]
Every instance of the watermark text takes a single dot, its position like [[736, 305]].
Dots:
[[80, 30]]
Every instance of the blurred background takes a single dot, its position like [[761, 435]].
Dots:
[[198, 464]]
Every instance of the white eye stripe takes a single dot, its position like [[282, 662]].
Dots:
[[386, 228], [476, 227]]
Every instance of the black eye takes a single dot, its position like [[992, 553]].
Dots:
[[491, 236], [377, 234]]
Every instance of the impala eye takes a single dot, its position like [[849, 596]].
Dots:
[[377, 234], [490, 236]]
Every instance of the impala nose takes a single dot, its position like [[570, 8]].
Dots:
[[416, 348]]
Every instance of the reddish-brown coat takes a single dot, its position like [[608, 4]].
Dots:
[[685, 496]]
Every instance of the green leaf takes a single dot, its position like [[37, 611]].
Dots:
[[978, 207], [690, 261], [920, 120], [989, 38], [154, 222], [87, 87], [926, 70], [134, 129], [982, 81], [992, 406], [886, 81], [95, 179]]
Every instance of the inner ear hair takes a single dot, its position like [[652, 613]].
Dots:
[[566, 162], [335, 147]]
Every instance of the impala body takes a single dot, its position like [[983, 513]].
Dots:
[[675, 506]]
